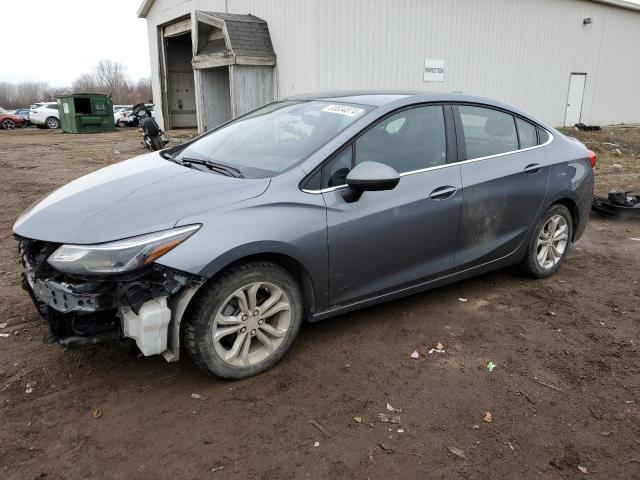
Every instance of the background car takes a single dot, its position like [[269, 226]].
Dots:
[[46, 115], [9, 120], [125, 118], [23, 113]]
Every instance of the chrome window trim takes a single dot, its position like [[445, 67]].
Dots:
[[413, 172]]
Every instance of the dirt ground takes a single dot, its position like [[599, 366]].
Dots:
[[564, 394]]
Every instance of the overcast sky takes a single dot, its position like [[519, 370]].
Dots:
[[55, 41]]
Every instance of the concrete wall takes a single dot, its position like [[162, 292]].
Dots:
[[518, 51]]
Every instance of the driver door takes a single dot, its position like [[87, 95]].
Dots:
[[387, 240]]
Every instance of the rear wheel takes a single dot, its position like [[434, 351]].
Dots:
[[52, 122], [550, 242], [244, 320], [156, 143], [8, 124], [121, 124]]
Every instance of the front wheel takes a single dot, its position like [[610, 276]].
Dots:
[[52, 122], [550, 242], [244, 320], [8, 124]]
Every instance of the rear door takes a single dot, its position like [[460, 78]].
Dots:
[[504, 179], [390, 239]]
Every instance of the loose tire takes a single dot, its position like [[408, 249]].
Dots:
[[549, 243], [8, 124], [244, 320], [52, 122]]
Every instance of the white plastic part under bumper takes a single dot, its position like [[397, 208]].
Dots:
[[149, 327]]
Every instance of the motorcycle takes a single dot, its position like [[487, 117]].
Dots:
[[152, 135]]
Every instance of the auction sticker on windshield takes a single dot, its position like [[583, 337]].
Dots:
[[343, 110]]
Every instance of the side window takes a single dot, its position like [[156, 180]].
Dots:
[[526, 133], [487, 131], [543, 136], [335, 173], [412, 139]]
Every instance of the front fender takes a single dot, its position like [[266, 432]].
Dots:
[[283, 221], [263, 247]]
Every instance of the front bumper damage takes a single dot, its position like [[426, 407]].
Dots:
[[145, 305]]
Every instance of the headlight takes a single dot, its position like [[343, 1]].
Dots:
[[119, 256]]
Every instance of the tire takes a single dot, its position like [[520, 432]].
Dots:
[[8, 124], [219, 301], [156, 143], [540, 265], [121, 124], [52, 123]]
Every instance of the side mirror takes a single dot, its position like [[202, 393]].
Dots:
[[371, 177]]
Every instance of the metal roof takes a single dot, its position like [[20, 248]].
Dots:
[[146, 5]]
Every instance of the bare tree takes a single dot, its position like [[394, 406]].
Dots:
[[107, 77], [110, 76], [21, 94], [143, 90], [85, 83]]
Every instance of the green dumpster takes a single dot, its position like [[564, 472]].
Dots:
[[86, 113]]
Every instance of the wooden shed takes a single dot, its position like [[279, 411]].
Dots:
[[229, 70]]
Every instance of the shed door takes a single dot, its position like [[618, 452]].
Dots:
[[574, 99]]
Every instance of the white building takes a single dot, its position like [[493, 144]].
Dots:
[[566, 61]]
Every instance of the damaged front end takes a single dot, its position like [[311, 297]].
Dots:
[[145, 304]]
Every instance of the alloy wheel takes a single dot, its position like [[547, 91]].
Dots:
[[251, 324], [52, 123], [8, 124], [552, 241]]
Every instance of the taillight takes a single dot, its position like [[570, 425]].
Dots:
[[592, 159]]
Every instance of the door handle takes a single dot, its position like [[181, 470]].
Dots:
[[533, 168], [442, 193]]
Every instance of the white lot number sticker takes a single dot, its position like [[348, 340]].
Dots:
[[343, 110]]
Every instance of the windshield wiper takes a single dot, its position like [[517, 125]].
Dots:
[[168, 156], [218, 167]]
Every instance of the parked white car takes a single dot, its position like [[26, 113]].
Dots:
[[119, 116], [45, 115]]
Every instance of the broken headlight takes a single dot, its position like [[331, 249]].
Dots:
[[119, 256]]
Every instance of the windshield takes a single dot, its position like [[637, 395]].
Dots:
[[275, 137]]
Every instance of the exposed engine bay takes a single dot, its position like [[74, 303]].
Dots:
[[146, 304]]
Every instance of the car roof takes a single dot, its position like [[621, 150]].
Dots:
[[380, 98], [375, 98]]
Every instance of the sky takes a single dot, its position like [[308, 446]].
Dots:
[[55, 41]]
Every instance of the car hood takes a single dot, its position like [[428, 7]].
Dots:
[[140, 195]]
